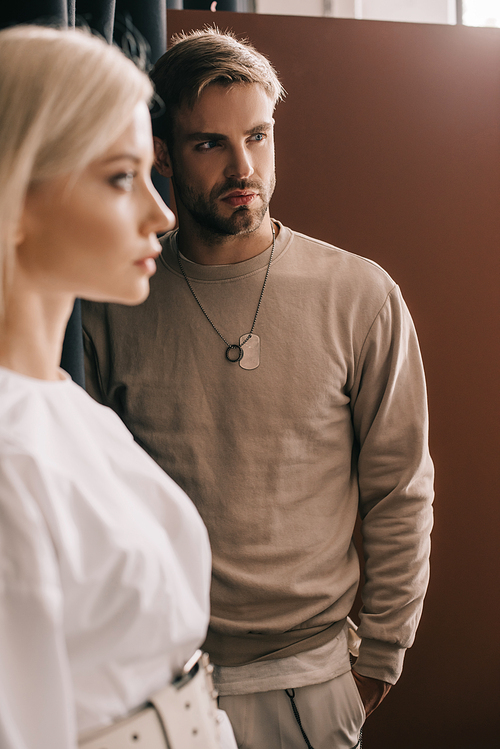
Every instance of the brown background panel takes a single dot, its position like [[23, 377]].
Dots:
[[388, 145]]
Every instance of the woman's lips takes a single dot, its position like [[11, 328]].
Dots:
[[147, 264]]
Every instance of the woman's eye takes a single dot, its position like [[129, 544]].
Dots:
[[123, 181]]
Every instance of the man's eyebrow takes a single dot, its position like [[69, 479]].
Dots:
[[206, 136], [264, 127]]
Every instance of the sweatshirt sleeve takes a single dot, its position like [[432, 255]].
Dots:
[[389, 408], [36, 697]]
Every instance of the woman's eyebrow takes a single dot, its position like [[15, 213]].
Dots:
[[119, 156]]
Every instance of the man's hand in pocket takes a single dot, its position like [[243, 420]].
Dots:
[[372, 691]]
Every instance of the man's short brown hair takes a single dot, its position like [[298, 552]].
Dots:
[[202, 58]]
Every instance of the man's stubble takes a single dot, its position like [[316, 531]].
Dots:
[[211, 223]]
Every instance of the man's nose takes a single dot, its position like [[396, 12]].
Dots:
[[240, 164]]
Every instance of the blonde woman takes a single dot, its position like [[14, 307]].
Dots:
[[104, 562]]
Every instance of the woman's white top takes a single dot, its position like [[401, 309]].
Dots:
[[104, 567]]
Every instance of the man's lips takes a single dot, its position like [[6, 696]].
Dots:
[[239, 197]]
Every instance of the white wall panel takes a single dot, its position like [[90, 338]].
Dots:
[[290, 7], [418, 11]]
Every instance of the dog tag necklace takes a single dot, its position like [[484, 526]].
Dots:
[[247, 351]]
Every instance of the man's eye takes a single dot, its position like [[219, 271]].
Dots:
[[124, 180], [258, 136], [207, 145]]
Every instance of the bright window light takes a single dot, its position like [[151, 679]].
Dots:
[[481, 12]]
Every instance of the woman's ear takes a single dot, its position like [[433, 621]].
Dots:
[[162, 164], [28, 224], [23, 224], [20, 235]]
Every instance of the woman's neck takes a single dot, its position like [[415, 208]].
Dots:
[[32, 331]]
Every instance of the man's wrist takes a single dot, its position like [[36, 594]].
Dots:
[[380, 660]]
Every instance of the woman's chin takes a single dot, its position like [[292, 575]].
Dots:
[[133, 295]]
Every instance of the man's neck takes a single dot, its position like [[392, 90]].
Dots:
[[208, 249]]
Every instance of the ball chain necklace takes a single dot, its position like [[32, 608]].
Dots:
[[250, 357]]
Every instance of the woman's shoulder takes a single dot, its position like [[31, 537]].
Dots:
[[35, 414]]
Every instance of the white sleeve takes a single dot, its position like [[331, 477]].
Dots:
[[36, 698]]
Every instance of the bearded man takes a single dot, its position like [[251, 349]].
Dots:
[[278, 380]]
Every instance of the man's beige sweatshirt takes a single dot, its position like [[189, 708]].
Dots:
[[279, 459]]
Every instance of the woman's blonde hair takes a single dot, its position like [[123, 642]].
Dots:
[[65, 96]]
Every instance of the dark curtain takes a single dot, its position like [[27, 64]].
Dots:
[[111, 18], [114, 20]]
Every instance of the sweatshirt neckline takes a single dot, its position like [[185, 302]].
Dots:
[[199, 272]]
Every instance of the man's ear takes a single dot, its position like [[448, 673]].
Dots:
[[162, 164]]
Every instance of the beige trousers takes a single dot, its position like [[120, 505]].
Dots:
[[332, 715]]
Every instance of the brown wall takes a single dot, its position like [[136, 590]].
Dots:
[[388, 145]]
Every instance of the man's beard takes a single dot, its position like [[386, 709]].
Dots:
[[204, 210]]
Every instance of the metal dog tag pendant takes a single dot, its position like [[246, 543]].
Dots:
[[251, 352]]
